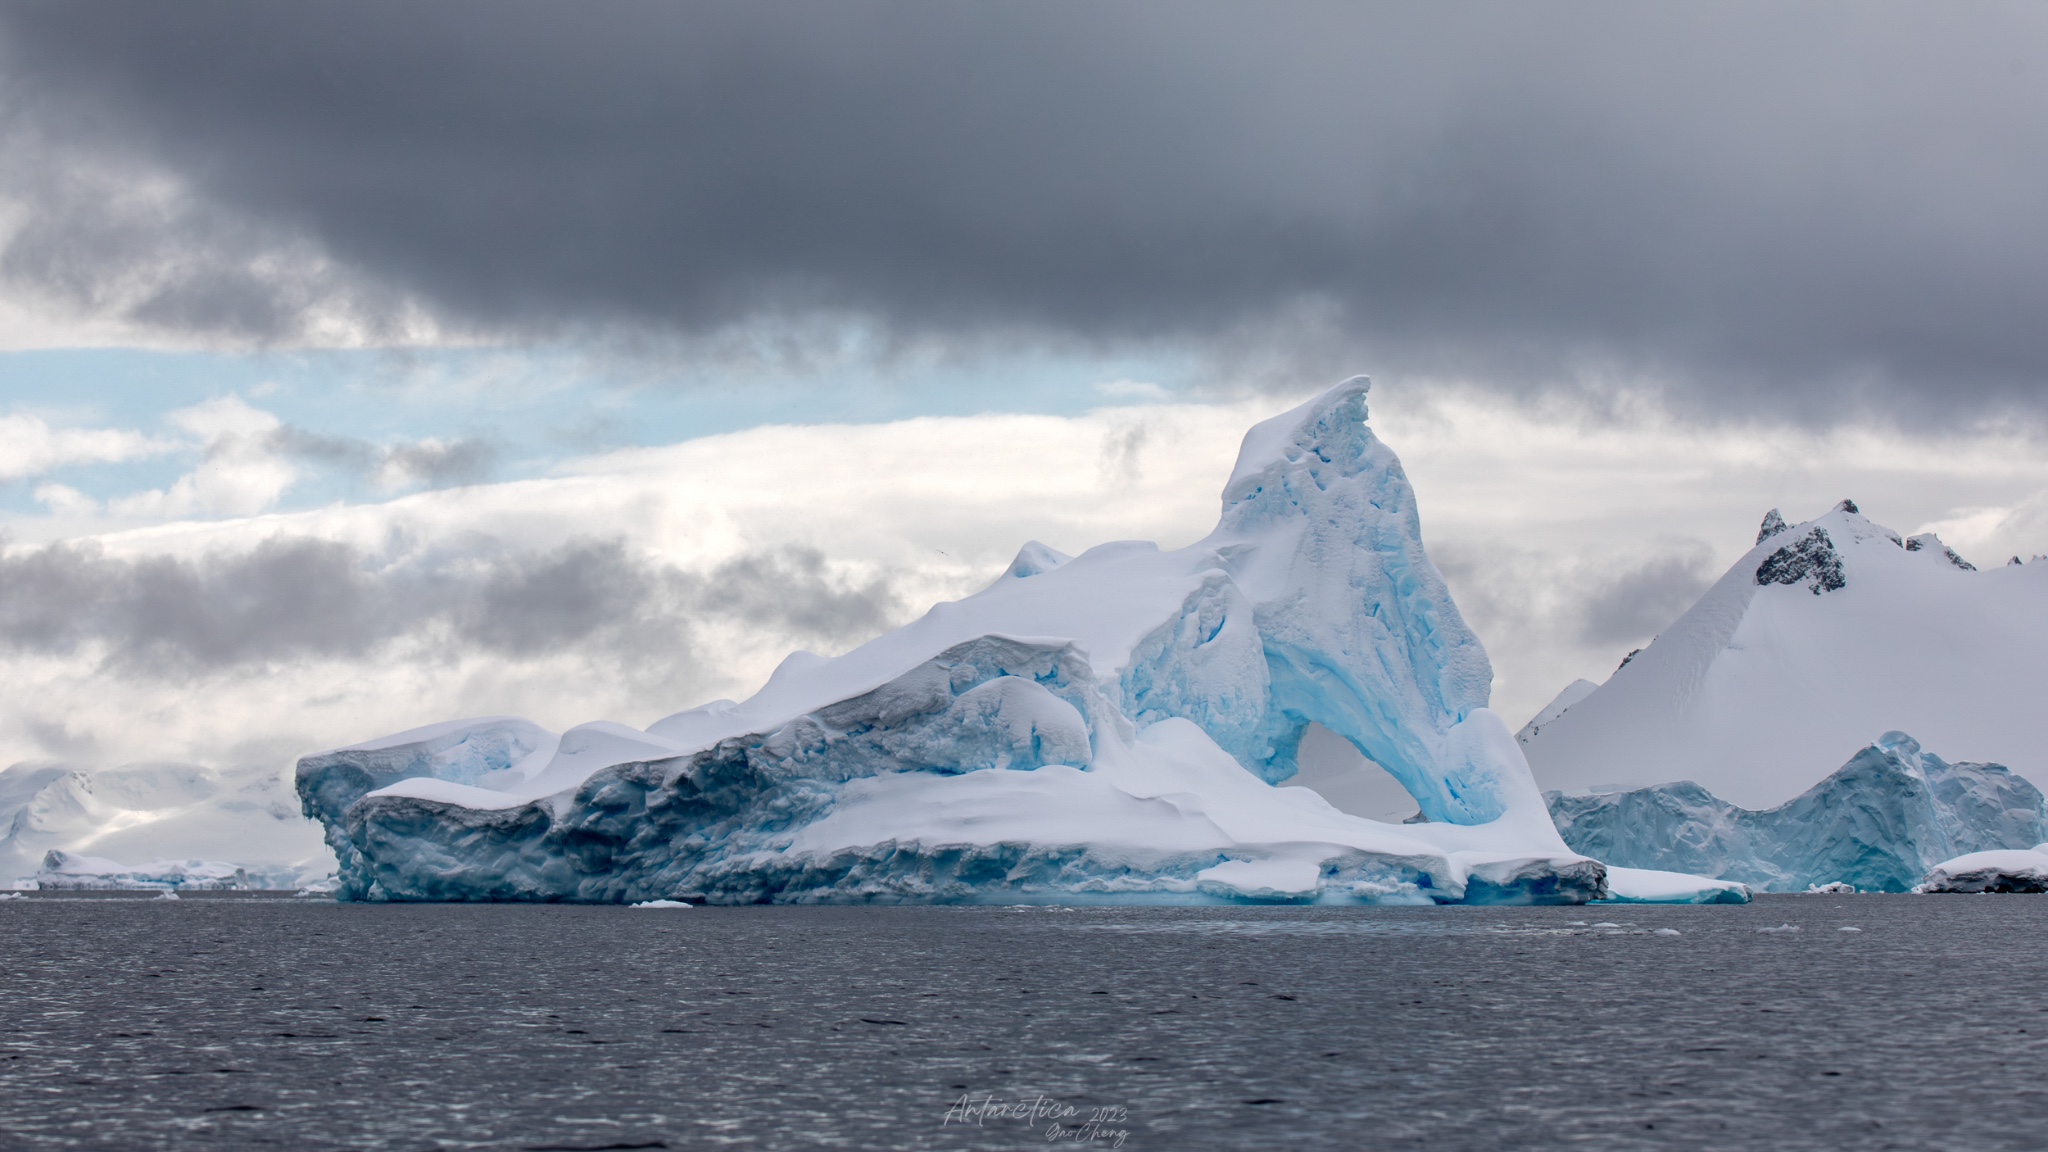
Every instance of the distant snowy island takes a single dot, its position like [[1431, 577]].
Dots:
[[1829, 636]]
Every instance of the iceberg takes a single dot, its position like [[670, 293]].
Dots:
[[2009, 870], [1651, 886], [1878, 824], [1117, 725], [63, 871]]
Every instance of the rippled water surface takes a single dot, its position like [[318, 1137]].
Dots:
[[247, 1022]]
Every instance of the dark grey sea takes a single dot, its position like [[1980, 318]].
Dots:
[[250, 1022]]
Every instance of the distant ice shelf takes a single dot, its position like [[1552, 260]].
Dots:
[[1117, 726]]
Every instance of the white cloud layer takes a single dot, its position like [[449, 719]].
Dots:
[[30, 447], [1567, 540], [242, 472]]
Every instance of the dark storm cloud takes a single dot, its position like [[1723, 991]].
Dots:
[[1798, 206], [294, 599]]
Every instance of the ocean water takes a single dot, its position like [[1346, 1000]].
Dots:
[[247, 1022]]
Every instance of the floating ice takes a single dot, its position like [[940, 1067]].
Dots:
[[64, 871], [1999, 871], [1108, 726], [1877, 825], [1652, 886]]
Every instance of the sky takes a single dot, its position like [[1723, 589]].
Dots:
[[364, 365]]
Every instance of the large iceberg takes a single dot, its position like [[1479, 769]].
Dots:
[[1824, 634], [1116, 725], [1879, 823]]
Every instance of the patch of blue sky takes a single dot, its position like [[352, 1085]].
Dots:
[[534, 407]]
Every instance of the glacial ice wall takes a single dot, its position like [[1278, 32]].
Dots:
[[1879, 823], [1111, 725]]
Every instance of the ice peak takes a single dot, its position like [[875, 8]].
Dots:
[[1847, 505], [1034, 558], [1330, 427], [1774, 523]]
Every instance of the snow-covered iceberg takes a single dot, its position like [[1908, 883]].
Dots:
[[1822, 635], [63, 871], [1878, 823], [2010, 870], [1106, 726]]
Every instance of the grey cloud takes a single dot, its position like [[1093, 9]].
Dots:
[[293, 599], [438, 463], [431, 463], [1631, 607], [1820, 209]]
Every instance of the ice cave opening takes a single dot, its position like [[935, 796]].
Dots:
[[1352, 782]]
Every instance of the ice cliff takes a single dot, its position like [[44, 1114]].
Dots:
[[1825, 633], [1105, 726], [1879, 823]]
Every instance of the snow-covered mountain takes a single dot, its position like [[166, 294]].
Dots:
[[1109, 725], [152, 812], [1879, 823], [1825, 635]]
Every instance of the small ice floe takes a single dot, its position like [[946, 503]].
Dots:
[[661, 904], [1848, 928], [12, 896], [1575, 923], [1831, 888], [1781, 928], [1606, 924], [167, 895], [1666, 932]]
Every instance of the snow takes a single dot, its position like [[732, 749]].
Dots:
[[1876, 825], [1111, 725], [1559, 704], [2010, 870], [1824, 634]]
